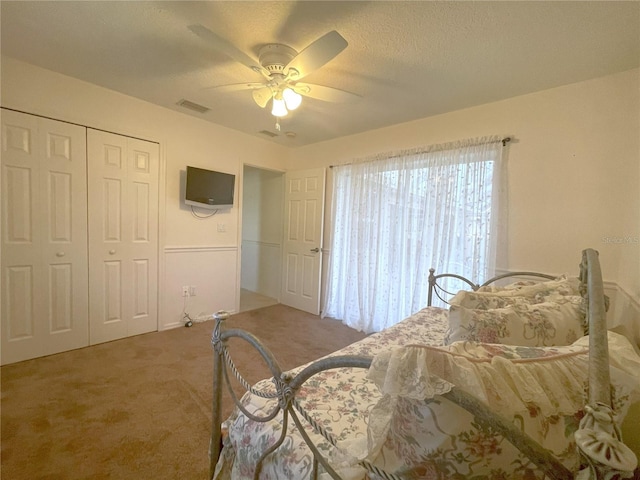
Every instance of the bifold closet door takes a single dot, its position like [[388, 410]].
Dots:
[[44, 237], [123, 236]]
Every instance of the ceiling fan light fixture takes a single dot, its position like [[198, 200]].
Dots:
[[291, 99], [279, 108]]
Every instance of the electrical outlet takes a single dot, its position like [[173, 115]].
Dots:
[[185, 291], [192, 291]]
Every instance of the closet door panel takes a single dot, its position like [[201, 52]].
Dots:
[[18, 319], [107, 249], [123, 236], [44, 240], [143, 188], [21, 245], [60, 200], [61, 297], [63, 216], [17, 186], [141, 293], [111, 293]]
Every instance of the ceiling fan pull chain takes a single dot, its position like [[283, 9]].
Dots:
[[278, 123]]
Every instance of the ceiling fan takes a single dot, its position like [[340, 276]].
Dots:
[[282, 68]]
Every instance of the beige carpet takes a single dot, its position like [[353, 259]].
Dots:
[[138, 408]]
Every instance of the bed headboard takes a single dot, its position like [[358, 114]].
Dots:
[[437, 289]]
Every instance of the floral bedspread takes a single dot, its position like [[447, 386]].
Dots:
[[340, 400]]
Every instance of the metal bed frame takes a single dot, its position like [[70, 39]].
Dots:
[[604, 455], [435, 288]]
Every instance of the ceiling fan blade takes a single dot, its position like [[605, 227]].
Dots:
[[235, 87], [328, 94], [316, 55], [262, 96], [227, 48]]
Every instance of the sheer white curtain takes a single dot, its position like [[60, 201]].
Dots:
[[395, 216]]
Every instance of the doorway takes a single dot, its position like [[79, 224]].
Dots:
[[261, 250]]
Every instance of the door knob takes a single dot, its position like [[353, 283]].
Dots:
[[315, 250]]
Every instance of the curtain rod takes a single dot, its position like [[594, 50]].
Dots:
[[504, 141]]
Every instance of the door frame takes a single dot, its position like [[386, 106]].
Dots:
[[240, 219]]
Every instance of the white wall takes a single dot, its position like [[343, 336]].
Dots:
[[262, 210], [192, 251], [574, 176], [573, 173]]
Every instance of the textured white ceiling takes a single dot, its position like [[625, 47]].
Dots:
[[407, 60]]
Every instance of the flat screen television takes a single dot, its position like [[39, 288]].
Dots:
[[209, 189]]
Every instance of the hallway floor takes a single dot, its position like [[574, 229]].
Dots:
[[251, 300]]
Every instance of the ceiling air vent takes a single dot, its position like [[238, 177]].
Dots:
[[193, 106], [268, 133]]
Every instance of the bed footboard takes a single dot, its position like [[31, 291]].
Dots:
[[598, 438], [286, 387]]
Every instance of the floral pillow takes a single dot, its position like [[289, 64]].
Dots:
[[534, 325], [415, 432], [487, 301]]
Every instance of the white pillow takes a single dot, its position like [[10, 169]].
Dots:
[[534, 292], [532, 325]]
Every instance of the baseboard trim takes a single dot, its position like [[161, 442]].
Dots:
[[170, 326]]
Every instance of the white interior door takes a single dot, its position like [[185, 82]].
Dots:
[[123, 236], [302, 239], [44, 237]]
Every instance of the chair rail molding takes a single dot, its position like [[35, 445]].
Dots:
[[200, 248], [262, 243]]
